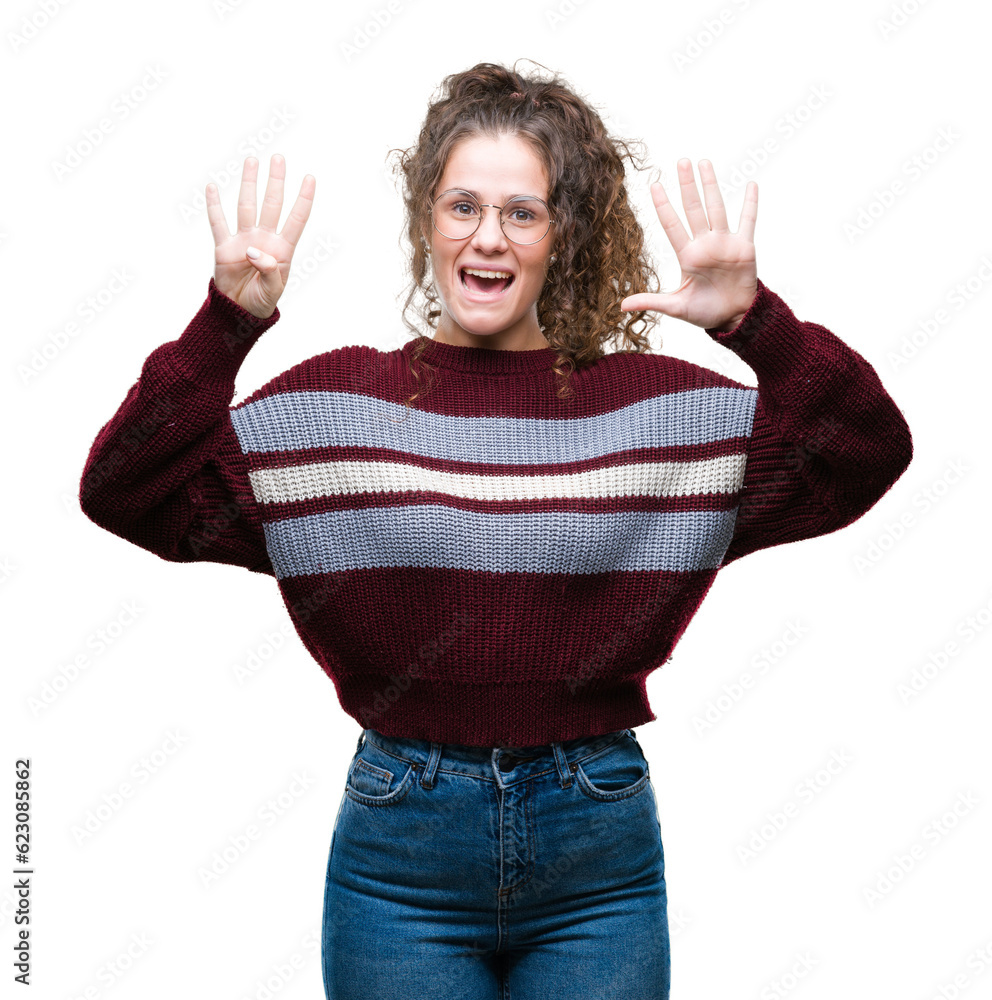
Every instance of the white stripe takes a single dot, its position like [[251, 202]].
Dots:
[[723, 474]]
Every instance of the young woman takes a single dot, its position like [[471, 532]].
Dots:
[[489, 537]]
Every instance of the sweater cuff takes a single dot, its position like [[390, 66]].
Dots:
[[218, 338], [769, 337]]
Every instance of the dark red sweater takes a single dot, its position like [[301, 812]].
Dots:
[[493, 565]]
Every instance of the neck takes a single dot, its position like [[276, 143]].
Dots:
[[522, 336]]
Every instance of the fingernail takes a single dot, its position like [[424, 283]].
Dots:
[[253, 253]]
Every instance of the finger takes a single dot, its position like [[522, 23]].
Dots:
[[714, 200], [268, 271], [300, 212], [272, 202], [263, 262], [669, 218], [749, 211], [246, 196], [215, 216], [647, 300], [690, 199]]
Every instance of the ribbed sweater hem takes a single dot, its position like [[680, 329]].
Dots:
[[421, 708], [217, 340]]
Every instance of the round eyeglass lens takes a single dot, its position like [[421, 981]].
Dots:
[[457, 214]]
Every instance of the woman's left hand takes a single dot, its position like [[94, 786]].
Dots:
[[719, 274]]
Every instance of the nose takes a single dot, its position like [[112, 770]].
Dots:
[[489, 236]]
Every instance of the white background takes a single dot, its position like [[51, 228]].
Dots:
[[871, 616]]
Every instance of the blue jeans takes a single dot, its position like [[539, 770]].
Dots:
[[496, 873]]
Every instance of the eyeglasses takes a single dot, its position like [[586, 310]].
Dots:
[[457, 215]]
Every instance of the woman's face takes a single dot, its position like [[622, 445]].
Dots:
[[494, 170]]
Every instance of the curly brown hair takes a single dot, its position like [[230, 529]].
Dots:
[[600, 244]]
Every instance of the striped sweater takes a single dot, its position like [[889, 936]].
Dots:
[[492, 565]]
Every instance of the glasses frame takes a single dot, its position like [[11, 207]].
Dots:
[[482, 212]]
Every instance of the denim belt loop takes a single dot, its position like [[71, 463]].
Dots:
[[430, 768], [564, 768], [361, 740]]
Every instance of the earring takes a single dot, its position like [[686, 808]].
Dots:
[[552, 258], [423, 239]]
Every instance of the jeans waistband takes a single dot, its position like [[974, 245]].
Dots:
[[485, 762]]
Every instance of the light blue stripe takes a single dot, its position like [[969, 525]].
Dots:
[[450, 538], [318, 419]]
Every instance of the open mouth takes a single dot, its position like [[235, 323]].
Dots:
[[484, 286]]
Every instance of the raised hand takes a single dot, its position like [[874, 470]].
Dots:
[[256, 283], [719, 274]]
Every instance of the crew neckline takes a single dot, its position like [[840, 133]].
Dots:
[[484, 360]]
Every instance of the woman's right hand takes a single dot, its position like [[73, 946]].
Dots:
[[257, 284]]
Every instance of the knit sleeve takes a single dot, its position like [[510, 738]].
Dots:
[[827, 439], [166, 472]]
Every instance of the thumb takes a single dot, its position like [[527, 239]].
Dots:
[[666, 304], [268, 270]]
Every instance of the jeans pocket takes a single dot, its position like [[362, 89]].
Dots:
[[615, 773], [376, 779]]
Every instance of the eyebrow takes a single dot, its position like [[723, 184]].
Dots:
[[505, 197]]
